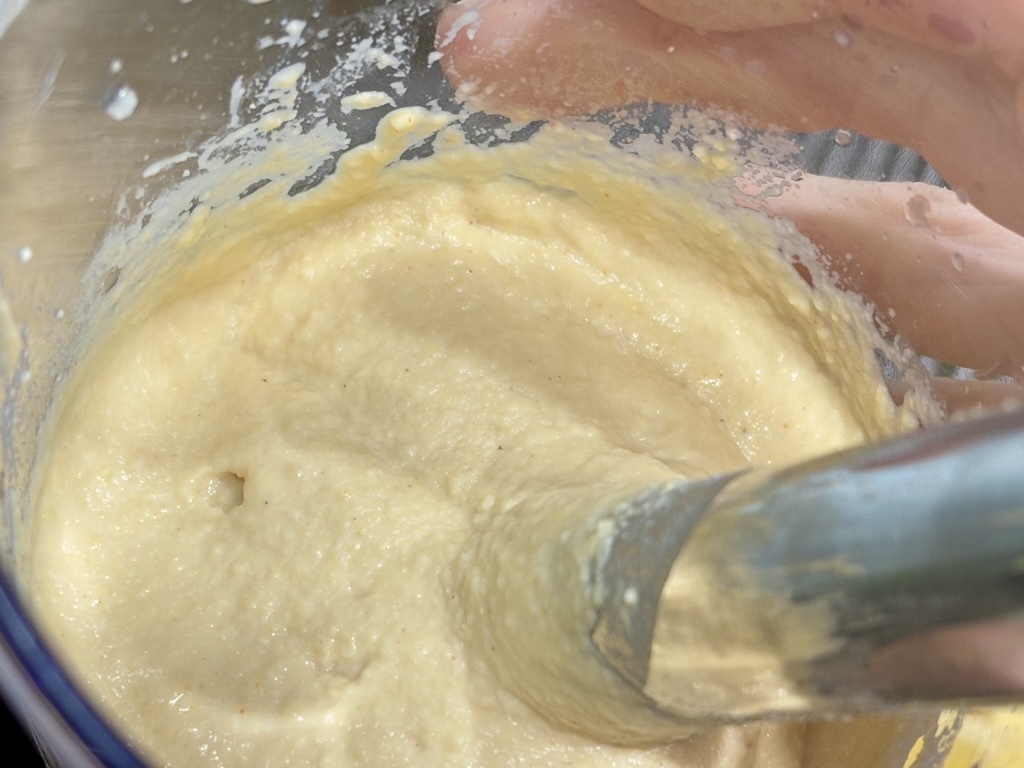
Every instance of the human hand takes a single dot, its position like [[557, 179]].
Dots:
[[942, 77]]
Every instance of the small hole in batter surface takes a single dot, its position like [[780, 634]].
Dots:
[[226, 491]]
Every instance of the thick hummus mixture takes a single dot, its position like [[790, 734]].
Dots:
[[280, 517]]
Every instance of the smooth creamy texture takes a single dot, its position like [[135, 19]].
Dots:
[[294, 500]]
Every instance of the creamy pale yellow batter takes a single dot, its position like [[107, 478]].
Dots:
[[297, 488]]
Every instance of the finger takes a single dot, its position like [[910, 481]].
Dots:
[[989, 31], [992, 30], [576, 56], [994, 27], [733, 16], [940, 274]]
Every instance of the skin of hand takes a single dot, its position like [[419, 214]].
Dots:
[[966, 273], [940, 76]]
